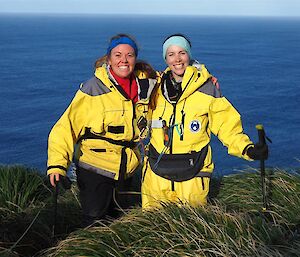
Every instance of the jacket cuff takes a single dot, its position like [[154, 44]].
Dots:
[[57, 170], [246, 148], [244, 153]]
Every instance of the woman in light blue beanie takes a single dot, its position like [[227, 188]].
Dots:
[[177, 54], [185, 110]]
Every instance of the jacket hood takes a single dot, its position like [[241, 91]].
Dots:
[[102, 74]]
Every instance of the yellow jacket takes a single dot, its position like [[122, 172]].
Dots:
[[101, 123], [200, 111]]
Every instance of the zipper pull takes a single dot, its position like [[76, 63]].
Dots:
[[199, 75], [182, 125]]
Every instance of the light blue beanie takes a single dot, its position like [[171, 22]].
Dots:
[[177, 41]]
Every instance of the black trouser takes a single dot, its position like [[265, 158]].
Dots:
[[99, 197]]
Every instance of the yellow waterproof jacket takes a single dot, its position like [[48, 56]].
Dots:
[[186, 126], [101, 123]]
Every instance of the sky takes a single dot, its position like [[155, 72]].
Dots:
[[173, 7]]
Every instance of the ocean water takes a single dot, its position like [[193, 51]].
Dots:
[[43, 59]]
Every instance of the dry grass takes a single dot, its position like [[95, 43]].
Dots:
[[231, 226]]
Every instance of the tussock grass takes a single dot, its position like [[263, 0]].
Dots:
[[232, 225], [242, 192], [26, 212], [21, 188], [173, 231]]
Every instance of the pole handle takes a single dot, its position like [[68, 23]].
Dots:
[[261, 134]]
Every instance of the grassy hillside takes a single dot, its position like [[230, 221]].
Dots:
[[27, 212], [232, 224]]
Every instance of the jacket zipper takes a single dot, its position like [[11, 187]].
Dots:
[[174, 115], [171, 138], [133, 117], [172, 129]]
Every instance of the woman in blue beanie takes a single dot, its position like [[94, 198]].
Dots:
[[186, 108], [100, 123]]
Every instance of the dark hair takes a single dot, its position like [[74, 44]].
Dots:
[[179, 35], [100, 61], [146, 68]]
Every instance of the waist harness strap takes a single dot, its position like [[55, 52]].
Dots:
[[126, 144], [89, 135]]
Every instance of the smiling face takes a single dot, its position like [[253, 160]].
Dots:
[[122, 60], [177, 59]]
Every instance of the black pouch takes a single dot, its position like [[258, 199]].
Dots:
[[177, 167]]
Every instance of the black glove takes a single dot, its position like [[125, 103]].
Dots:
[[258, 152]]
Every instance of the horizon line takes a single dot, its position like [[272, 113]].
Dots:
[[147, 14]]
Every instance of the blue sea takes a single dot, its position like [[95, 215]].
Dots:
[[44, 58]]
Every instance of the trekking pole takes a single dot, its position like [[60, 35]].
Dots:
[[261, 142], [56, 192], [65, 183]]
